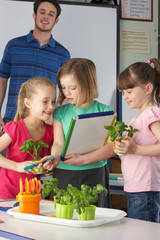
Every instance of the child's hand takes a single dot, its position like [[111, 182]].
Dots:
[[20, 167], [127, 146], [50, 165], [74, 159]]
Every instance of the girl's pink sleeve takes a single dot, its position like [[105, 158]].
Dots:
[[10, 128], [152, 115]]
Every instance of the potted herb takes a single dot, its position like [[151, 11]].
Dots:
[[84, 199], [119, 131], [72, 198], [33, 148], [62, 199]]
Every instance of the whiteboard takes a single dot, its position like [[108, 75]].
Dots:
[[86, 30]]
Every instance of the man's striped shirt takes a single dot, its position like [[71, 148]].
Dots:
[[23, 58]]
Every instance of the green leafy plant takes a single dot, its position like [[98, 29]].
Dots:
[[61, 196], [86, 196], [31, 145], [119, 131], [79, 198]]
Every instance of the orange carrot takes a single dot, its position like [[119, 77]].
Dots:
[[32, 186], [35, 179], [38, 187], [27, 186], [21, 186]]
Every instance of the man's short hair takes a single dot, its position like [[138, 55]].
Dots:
[[54, 2]]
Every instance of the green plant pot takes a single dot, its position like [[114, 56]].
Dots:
[[38, 171], [118, 153], [54, 198], [64, 211], [88, 214]]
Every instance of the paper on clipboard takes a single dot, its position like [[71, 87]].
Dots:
[[87, 134]]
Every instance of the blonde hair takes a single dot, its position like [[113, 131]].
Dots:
[[84, 72], [141, 73], [27, 89]]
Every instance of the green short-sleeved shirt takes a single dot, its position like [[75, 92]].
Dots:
[[64, 114]]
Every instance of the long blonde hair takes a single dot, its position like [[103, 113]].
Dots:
[[26, 91], [84, 72]]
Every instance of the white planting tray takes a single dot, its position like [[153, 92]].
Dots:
[[102, 216]]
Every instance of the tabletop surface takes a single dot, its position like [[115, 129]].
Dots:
[[124, 229]]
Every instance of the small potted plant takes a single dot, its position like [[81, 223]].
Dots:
[[32, 147], [119, 131], [84, 199], [62, 198], [72, 198]]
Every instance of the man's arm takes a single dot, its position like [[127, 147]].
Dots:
[[3, 87]]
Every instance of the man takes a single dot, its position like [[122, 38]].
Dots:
[[35, 54]]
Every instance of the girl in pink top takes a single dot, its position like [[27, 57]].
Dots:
[[36, 102], [140, 83]]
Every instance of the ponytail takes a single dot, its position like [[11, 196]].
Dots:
[[22, 110], [156, 63]]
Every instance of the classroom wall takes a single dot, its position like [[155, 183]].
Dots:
[[128, 58], [82, 29]]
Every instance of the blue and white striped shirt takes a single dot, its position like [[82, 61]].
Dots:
[[24, 58]]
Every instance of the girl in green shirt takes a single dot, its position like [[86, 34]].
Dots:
[[77, 82]]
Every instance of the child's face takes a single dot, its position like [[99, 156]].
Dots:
[[136, 97], [70, 88], [42, 104]]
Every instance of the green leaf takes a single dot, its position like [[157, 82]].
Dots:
[[31, 145], [113, 135], [110, 128], [119, 131]]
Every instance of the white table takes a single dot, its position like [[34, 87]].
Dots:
[[125, 229]]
